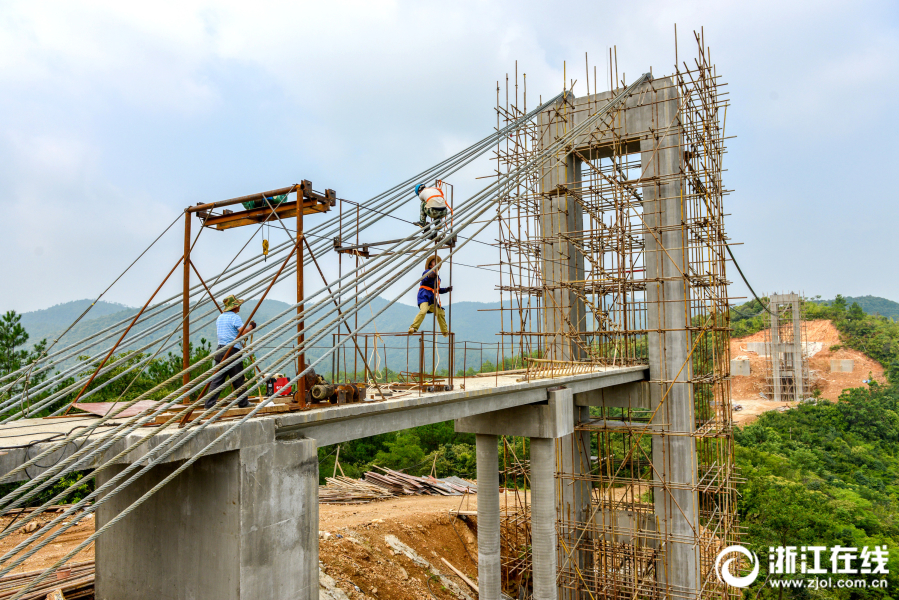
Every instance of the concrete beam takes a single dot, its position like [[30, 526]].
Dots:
[[628, 395], [552, 418], [358, 421]]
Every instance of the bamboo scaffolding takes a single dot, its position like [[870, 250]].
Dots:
[[618, 548]]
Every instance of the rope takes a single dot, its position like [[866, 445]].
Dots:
[[746, 281]]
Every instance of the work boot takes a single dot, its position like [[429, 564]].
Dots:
[[420, 223], [411, 330]]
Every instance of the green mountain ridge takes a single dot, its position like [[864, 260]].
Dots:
[[50, 322], [873, 305], [476, 323]]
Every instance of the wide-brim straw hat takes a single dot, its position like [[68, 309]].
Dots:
[[231, 302]]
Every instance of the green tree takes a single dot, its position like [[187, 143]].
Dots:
[[403, 453], [12, 356], [839, 303], [12, 336], [855, 312]]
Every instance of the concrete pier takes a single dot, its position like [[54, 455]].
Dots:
[[489, 573], [574, 496], [544, 423], [543, 518], [670, 364], [236, 525]]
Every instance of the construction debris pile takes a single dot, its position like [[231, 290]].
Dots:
[[389, 484]]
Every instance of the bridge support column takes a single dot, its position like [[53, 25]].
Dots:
[[543, 518], [543, 422], [668, 322], [573, 492], [234, 525], [489, 572]]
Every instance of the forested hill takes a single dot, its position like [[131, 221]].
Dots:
[[873, 305], [49, 322]]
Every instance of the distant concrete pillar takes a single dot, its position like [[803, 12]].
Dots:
[[842, 365], [798, 363], [489, 573], [774, 352], [740, 367], [543, 518], [234, 525], [789, 377]]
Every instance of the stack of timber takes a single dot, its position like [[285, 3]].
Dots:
[[388, 484], [400, 484], [343, 490], [74, 580]]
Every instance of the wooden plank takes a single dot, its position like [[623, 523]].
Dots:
[[101, 409], [233, 412], [461, 575]]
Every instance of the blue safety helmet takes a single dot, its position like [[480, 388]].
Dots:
[[418, 188]]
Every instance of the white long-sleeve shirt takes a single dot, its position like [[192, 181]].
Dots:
[[432, 197]]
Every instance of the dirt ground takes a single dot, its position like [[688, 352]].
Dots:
[[360, 557], [352, 546], [745, 390], [753, 408], [53, 551]]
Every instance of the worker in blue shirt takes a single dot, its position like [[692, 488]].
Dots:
[[429, 297], [228, 327]]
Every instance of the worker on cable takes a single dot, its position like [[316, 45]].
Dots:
[[228, 327], [429, 297], [433, 205]]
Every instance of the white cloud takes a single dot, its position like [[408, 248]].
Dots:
[[117, 114]]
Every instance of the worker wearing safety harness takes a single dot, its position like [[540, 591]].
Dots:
[[429, 298], [433, 204]]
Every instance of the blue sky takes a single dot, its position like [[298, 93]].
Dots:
[[116, 115]]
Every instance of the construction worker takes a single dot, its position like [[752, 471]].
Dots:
[[228, 327], [433, 205], [429, 297]]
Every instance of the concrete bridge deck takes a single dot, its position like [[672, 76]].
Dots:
[[25, 438]]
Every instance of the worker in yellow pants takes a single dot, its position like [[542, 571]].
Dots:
[[429, 297]]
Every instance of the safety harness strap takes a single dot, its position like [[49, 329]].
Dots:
[[433, 291]]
